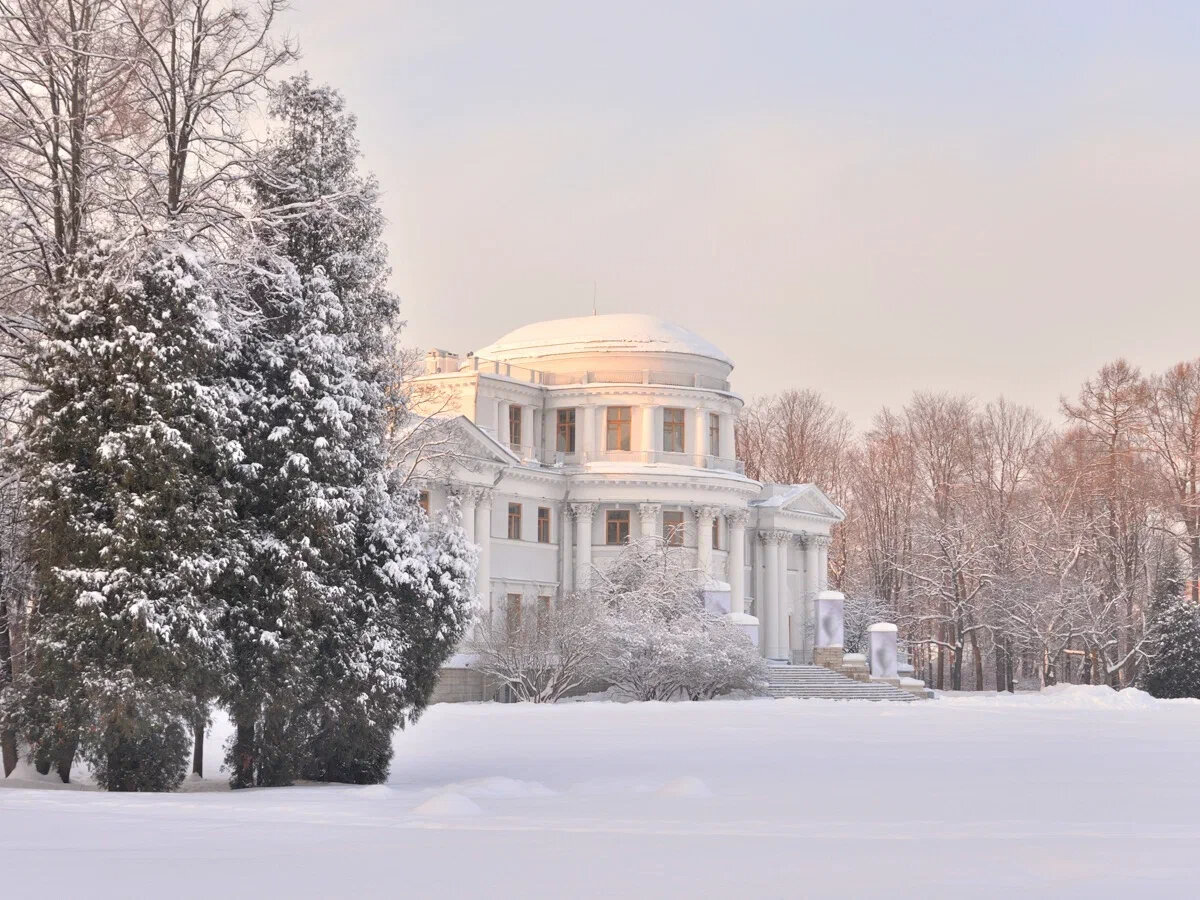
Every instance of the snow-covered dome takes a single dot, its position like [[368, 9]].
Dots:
[[619, 333]]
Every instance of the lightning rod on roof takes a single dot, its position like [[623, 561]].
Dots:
[[593, 297]]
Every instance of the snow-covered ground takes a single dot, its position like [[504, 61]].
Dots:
[[1077, 792]]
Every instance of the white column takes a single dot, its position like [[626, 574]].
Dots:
[[566, 583], [583, 543], [585, 418], [704, 523], [483, 537], [760, 590], [769, 541], [823, 563], [466, 507], [502, 422], [728, 446], [699, 447], [650, 431], [527, 432], [784, 606], [811, 584], [736, 561], [648, 513]]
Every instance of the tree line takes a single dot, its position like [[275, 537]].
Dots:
[[1005, 545], [198, 499]]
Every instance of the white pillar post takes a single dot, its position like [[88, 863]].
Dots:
[[812, 583], [704, 524], [483, 537], [527, 432], [466, 508], [583, 543], [565, 582], [784, 601], [699, 435], [728, 447], [823, 543], [585, 442], [650, 431], [648, 513], [736, 561], [769, 541]]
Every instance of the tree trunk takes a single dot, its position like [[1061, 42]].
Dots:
[[941, 660], [64, 757], [8, 738], [198, 746], [978, 662], [243, 755], [1009, 685]]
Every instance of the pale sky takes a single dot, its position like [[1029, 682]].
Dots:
[[861, 198]]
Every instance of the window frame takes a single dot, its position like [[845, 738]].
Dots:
[[543, 538], [423, 501], [714, 434], [618, 431], [674, 534], [514, 424], [716, 533], [514, 518], [616, 521], [674, 429], [564, 430]]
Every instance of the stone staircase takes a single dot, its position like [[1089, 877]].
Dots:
[[820, 683]]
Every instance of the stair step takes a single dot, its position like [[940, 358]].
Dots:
[[818, 682]]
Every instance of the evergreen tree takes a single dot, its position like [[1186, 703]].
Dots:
[[1174, 669], [128, 517], [371, 599]]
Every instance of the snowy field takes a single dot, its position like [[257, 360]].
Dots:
[[1079, 792]]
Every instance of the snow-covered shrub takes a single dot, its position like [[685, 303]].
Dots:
[[543, 654], [658, 640]]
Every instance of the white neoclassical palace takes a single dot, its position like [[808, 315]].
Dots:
[[574, 436]]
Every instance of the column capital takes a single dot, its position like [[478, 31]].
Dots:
[[582, 509], [707, 512], [737, 517], [772, 536], [646, 510], [810, 539]]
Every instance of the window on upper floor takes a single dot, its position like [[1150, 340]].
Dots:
[[714, 434], [514, 521], [514, 425], [543, 524], [673, 527], [616, 526], [565, 439], [673, 430], [618, 428], [716, 535]]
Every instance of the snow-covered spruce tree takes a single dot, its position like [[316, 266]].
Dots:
[[371, 599], [128, 518], [1174, 667]]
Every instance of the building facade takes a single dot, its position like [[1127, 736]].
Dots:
[[572, 437]]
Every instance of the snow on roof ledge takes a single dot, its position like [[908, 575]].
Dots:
[[621, 332]]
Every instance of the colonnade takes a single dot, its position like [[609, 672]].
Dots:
[[779, 617]]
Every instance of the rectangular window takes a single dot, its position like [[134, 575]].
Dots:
[[714, 434], [423, 499], [514, 425], [565, 442], [543, 524], [619, 428], [716, 533], [673, 430], [514, 521], [543, 612], [673, 527], [616, 526], [512, 613]]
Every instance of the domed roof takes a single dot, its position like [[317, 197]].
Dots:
[[619, 333]]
